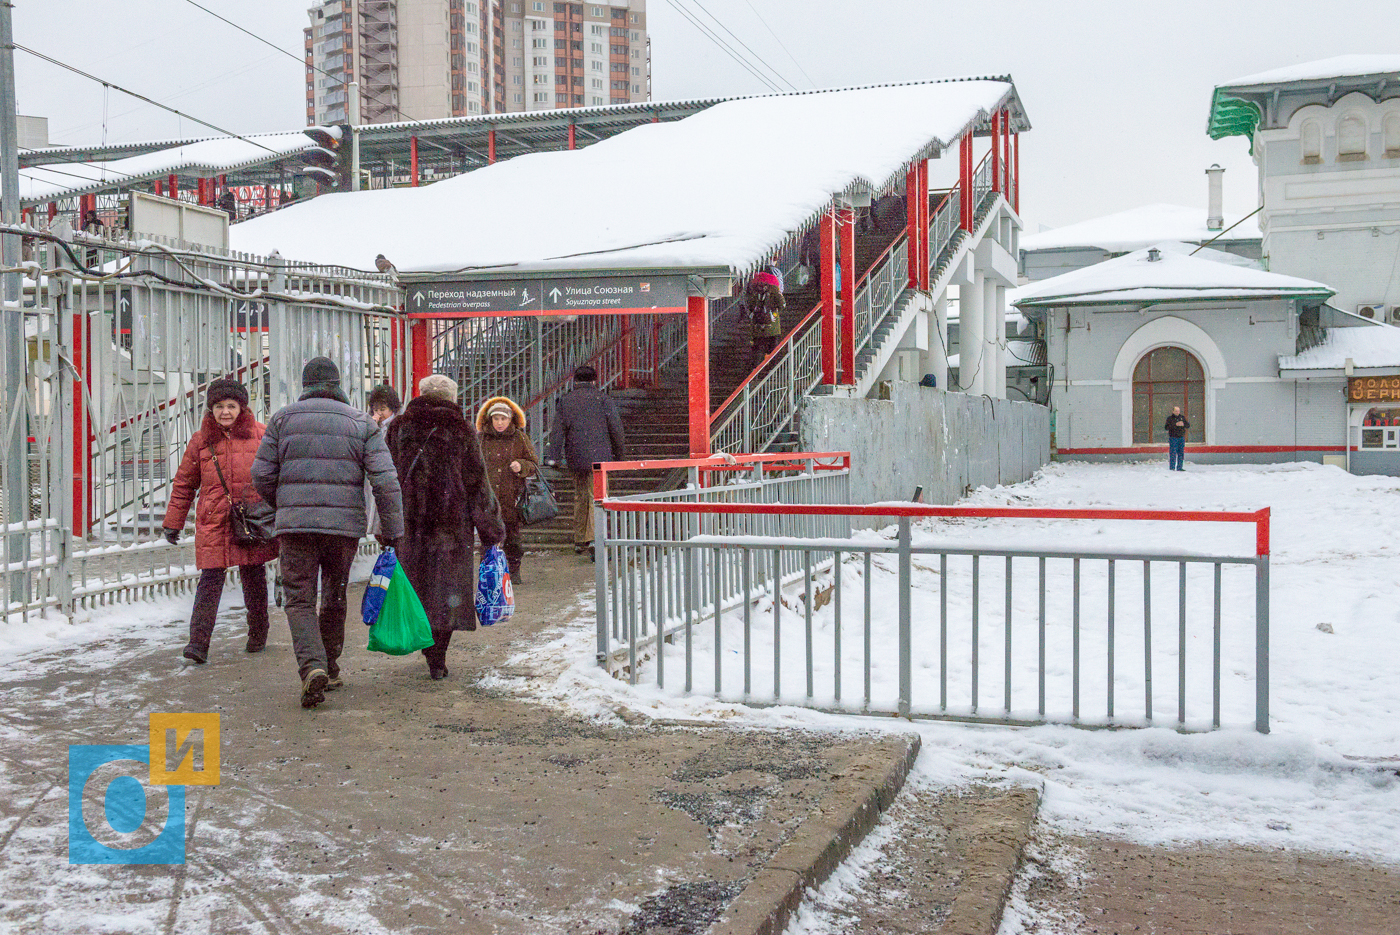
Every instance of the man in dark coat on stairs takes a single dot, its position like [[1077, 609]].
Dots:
[[587, 430]]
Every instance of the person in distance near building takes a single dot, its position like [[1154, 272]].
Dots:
[[226, 442], [447, 504], [312, 467], [587, 430], [510, 458], [1176, 439]]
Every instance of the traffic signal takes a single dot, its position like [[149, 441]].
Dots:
[[328, 162]]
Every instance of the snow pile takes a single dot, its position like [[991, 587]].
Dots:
[[720, 189], [1334, 694], [1339, 66], [1174, 275], [1376, 346], [1132, 230]]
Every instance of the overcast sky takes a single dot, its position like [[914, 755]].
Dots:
[[1117, 90]]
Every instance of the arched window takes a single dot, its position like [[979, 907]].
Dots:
[[1312, 142], [1351, 138], [1391, 129], [1167, 377]]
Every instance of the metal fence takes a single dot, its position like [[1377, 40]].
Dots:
[[121, 338], [763, 599]]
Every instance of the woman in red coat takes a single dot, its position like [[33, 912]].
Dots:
[[231, 436]]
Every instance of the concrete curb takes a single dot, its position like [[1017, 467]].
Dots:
[[768, 902], [983, 891]]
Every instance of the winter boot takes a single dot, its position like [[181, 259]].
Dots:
[[514, 568], [257, 636], [313, 688], [196, 653]]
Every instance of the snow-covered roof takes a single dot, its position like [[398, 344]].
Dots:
[[720, 189], [1133, 229], [1175, 276], [1340, 66], [208, 157], [1368, 346]]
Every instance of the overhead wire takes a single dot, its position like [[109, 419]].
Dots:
[[297, 58], [781, 43], [760, 59], [141, 97], [724, 46]]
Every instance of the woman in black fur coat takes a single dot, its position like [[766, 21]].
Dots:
[[447, 501]]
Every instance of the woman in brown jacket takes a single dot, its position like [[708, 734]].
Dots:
[[510, 458], [231, 435]]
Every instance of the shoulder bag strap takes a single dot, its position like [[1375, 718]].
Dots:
[[414, 463], [213, 454]]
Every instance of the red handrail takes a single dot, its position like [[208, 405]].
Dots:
[[1260, 518]]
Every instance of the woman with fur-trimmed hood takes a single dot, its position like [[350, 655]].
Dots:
[[510, 458], [447, 503]]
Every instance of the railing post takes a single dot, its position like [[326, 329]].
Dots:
[[828, 313], [413, 159], [1261, 623], [698, 369], [600, 580], [906, 649], [847, 220]]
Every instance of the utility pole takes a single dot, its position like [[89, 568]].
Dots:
[[13, 431]]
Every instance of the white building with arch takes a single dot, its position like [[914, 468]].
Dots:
[[1177, 325]]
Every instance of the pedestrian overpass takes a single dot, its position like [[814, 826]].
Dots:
[[505, 269]]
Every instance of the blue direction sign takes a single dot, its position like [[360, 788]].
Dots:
[[564, 296]]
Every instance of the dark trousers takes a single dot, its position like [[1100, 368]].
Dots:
[[206, 603], [763, 345], [436, 654], [1176, 453], [316, 638], [583, 507], [512, 547]]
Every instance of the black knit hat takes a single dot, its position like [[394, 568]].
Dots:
[[584, 373], [320, 370], [224, 388]]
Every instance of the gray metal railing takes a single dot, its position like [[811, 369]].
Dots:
[[123, 338], [773, 595]]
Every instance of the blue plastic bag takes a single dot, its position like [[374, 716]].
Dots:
[[495, 598], [378, 589]]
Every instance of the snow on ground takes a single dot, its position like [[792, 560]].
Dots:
[[1334, 690]]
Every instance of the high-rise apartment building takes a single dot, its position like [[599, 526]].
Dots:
[[429, 59]]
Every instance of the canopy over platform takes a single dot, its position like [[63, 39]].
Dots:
[[52, 181], [1371, 345], [717, 191], [1173, 276], [1240, 105]]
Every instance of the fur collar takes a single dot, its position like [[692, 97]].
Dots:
[[483, 423], [432, 411], [245, 426]]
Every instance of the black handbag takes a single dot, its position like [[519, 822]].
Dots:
[[536, 503], [250, 522]]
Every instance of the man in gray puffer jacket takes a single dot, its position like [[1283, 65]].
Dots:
[[311, 467]]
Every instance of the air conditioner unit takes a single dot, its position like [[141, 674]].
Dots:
[[1394, 316], [1371, 310]]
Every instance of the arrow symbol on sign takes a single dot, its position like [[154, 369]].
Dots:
[[554, 295], [418, 300], [125, 304]]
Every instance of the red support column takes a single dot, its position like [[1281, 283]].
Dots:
[[965, 168], [413, 159], [921, 183], [53, 210], [571, 137], [847, 221], [174, 187], [1006, 154], [655, 353], [418, 341], [156, 185], [996, 152], [697, 328], [828, 280], [491, 145], [82, 458], [913, 218]]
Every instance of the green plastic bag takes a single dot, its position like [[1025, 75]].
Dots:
[[402, 627]]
